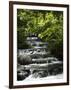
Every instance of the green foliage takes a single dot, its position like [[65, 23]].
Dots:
[[48, 25]]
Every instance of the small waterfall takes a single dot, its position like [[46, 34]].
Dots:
[[37, 60]]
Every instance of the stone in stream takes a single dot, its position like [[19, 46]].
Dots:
[[21, 75], [39, 73], [24, 59]]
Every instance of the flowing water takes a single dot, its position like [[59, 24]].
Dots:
[[37, 62]]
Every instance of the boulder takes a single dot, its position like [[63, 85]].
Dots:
[[24, 60]]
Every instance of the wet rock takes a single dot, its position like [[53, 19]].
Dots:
[[21, 75], [24, 60], [40, 73]]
